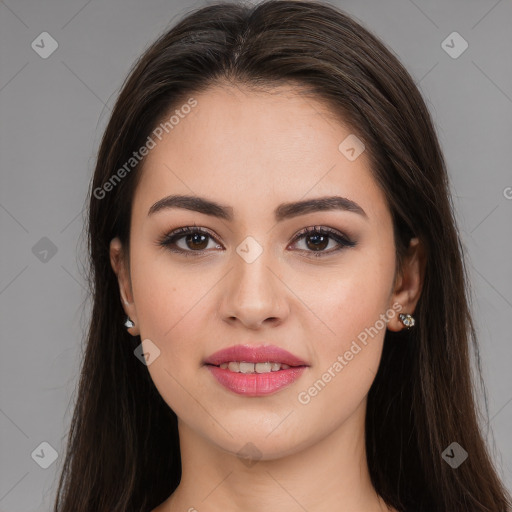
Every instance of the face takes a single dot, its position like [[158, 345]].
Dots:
[[255, 278]]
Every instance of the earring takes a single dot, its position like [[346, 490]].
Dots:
[[128, 323], [407, 320]]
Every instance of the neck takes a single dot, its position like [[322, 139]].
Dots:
[[329, 474]]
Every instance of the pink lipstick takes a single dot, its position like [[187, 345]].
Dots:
[[255, 371]]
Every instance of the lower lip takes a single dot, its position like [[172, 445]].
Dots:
[[256, 384]]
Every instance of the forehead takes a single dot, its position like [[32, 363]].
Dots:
[[251, 148]]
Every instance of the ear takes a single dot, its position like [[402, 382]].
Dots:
[[119, 262], [409, 283]]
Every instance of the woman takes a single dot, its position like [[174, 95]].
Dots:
[[280, 315]]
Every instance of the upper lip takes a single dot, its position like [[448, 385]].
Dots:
[[254, 354]]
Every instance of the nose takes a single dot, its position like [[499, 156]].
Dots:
[[254, 294]]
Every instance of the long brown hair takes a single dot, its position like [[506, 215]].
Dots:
[[123, 448]]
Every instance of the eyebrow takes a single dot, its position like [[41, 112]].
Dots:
[[282, 212]]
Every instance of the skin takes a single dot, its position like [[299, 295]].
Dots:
[[253, 151]]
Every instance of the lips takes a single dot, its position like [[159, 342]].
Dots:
[[254, 354]]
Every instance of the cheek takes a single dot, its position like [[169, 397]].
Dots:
[[168, 303], [352, 304], [166, 294], [336, 307], [349, 299]]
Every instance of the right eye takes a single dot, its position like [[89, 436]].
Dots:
[[195, 240]]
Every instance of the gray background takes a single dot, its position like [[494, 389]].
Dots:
[[53, 112]]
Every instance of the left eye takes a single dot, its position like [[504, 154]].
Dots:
[[196, 240], [317, 239]]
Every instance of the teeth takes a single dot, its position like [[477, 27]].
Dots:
[[234, 367], [244, 367], [262, 367]]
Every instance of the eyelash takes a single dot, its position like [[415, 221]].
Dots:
[[169, 239]]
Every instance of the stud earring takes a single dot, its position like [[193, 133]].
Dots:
[[128, 323], [407, 320]]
